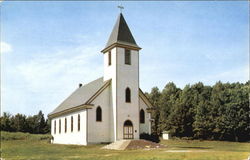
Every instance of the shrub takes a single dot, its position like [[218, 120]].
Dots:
[[150, 137]]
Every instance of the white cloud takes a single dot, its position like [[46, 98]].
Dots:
[[61, 66], [45, 80], [240, 74], [5, 47]]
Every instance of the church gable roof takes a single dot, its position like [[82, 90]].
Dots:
[[81, 96], [121, 34], [145, 99]]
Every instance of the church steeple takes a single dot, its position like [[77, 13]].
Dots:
[[121, 65], [121, 35]]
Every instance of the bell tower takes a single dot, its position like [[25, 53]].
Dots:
[[121, 65]]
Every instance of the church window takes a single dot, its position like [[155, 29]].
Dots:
[[78, 122], [127, 56], [128, 95], [142, 116], [98, 114], [65, 125], [54, 126], [71, 123], [109, 58], [59, 125]]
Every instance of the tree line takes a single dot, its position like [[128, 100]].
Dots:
[[218, 112], [35, 124]]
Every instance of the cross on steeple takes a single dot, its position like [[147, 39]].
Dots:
[[121, 8]]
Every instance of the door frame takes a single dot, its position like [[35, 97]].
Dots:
[[127, 135]]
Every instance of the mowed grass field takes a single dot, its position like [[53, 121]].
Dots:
[[28, 147]]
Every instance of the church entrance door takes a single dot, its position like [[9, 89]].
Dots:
[[128, 131]]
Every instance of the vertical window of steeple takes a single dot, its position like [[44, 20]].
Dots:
[[127, 57], [128, 95], [109, 58]]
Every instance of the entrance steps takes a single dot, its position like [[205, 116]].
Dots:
[[118, 145], [133, 144]]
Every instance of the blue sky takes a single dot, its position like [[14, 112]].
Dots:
[[48, 48]]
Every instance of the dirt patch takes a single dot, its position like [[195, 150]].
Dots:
[[143, 144]]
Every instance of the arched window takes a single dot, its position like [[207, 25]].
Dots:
[[65, 125], [98, 114], [71, 123], [59, 125], [54, 126], [128, 95], [142, 116], [78, 122]]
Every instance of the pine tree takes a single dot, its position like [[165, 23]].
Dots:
[[169, 96], [154, 97]]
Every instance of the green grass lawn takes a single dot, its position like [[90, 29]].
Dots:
[[38, 147]]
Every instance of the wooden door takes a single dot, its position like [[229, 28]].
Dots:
[[128, 131]]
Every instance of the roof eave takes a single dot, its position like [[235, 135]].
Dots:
[[123, 45], [146, 100], [70, 110]]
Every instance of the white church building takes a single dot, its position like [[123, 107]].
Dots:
[[110, 108]]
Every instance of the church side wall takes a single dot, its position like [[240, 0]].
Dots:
[[70, 137], [99, 131], [145, 127]]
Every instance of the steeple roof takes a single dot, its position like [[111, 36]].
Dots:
[[121, 34]]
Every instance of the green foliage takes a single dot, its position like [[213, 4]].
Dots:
[[6, 124], [154, 97], [220, 112], [168, 98], [20, 123]]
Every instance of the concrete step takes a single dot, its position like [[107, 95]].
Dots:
[[118, 145]]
